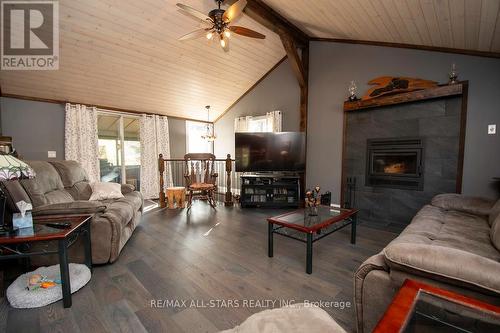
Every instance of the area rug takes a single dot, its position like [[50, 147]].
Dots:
[[296, 318], [21, 298]]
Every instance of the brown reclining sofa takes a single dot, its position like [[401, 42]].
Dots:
[[453, 243], [62, 187]]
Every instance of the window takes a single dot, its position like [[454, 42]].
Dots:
[[258, 124], [115, 132], [194, 141]]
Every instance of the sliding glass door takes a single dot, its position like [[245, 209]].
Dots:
[[119, 148]]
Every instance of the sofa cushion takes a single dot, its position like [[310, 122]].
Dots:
[[448, 264], [436, 226], [495, 233], [14, 193], [495, 212], [46, 187], [74, 178], [71, 172], [461, 203], [74, 207], [447, 243]]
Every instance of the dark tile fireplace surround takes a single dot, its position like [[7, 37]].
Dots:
[[400, 157]]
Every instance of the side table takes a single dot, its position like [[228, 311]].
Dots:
[[419, 307], [19, 244]]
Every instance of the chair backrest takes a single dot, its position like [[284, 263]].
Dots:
[[199, 168]]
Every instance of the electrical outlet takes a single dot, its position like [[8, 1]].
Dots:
[[492, 129], [52, 154]]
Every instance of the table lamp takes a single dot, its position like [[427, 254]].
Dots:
[[11, 169]]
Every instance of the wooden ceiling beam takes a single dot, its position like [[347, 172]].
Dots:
[[294, 57], [268, 17]]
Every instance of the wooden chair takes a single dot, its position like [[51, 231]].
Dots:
[[200, 177]]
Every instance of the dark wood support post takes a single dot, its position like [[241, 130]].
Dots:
[[161, 168], [300, 67], [293, 39], [228, 200]]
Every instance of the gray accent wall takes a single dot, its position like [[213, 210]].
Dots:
[[177, 133], [35, 127], [278, 91], [332, 67]]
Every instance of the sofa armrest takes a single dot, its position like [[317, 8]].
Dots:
[[127, 188], [70, 208], [451, 265], [462, 203], [376, 262]]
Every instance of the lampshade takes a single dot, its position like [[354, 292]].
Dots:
[[12, 168]]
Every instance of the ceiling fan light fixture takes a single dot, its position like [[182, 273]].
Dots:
[[210, 35], [227, 33], [222, 42]]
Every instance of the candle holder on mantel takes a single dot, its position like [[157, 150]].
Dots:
[[453, 75], [352, 92]]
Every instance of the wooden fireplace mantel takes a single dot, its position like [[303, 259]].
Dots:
[[412, 96]]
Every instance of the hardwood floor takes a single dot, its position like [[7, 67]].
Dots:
[[201, 257]]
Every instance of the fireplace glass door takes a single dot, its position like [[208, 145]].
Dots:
[[395, 163]]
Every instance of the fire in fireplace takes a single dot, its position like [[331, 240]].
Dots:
[[395, 163]]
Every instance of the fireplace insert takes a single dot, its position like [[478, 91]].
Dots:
[[395, 163]]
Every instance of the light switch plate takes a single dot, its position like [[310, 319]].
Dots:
[[492, 129], [52, 154]]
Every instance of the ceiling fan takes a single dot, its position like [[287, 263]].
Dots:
[[218, 23]]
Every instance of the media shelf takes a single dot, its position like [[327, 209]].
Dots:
[[273, 191]]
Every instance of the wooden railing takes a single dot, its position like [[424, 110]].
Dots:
[[172, 171]]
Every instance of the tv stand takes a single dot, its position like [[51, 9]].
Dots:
[[271, 190]]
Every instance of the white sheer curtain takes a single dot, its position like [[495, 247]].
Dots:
[[80, 138], [274, 121], [154, 138], [241, 124]]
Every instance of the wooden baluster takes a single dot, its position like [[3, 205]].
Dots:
[[161, 168], [228, 201]]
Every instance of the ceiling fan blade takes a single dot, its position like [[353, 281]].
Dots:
[[194, 34], [234, 10], [246, 32], [193, 12]]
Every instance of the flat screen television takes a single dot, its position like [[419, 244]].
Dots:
[[264, 152]]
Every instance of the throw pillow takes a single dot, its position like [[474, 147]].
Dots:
[[105, 191]]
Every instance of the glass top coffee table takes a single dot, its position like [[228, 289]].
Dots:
[[419, 307], [301, 226]]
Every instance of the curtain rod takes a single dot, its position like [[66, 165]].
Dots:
[[130, 114]]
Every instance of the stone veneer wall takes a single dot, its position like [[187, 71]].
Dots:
[[437, 122]]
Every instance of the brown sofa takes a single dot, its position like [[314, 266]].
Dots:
[[62, 187], [453, 243]]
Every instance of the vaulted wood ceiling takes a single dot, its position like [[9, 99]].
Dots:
[[125, 54], [461, 24]]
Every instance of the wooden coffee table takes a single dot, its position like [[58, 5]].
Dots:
[[299, 225], [419, 307], [18, 245]]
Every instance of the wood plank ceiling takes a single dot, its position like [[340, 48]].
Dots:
[[459, 24], [125, 54]]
